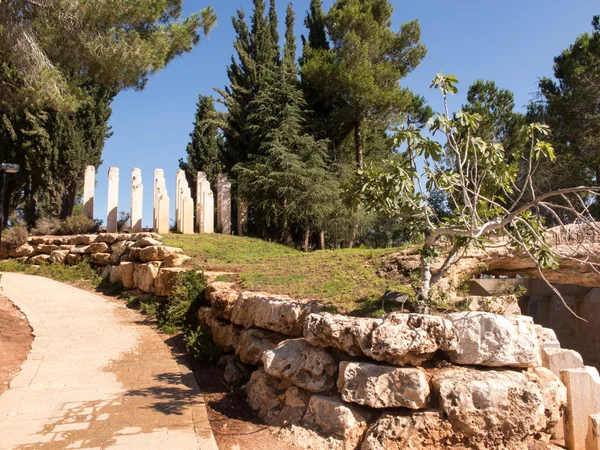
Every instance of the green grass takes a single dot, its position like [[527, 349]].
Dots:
[[346, 279], [82, 274]]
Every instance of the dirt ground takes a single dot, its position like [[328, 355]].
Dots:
[[15, 341]]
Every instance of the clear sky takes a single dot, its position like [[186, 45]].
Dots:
[[512, 42]]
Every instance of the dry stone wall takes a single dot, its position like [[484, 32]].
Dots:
[[404, 381]]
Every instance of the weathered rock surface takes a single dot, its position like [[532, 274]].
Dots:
[[20, 251], [236, 373], [158, 253], [205, 317], [331, 416], [273, 312], [134, 254], [117, 250], [546, 337], [397, 338], [380, 386], [144, 276], [426, 430], [554, 394], [109, 238], [145, 241], [98, 247], [311, 368], [222, 296], [495, 409], [100, 259], [58, 256], [123, 273], [39, 259], [73, 259], [165, 280], [45, 249], [557, 359], [82, 239], [278, 402], [254, 342], [488, 339], [225, 335], [175, 260]]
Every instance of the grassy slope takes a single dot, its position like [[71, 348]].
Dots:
[[345, 278]]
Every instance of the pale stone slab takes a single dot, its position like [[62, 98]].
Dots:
[[583, 399], [180, 184], [208, 221], [159, 184], [187, 225], [113, 200], [200, 180], [593, 438], [89, 183], [559, 359], [224, 204], [242, 218], [137, 199]]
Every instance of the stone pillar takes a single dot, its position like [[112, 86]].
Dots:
[[187, 214], [89, 183], [592, 441], [583, 399], [200, 180], [242, 217], [208, 204], [224, 204], [137, 198], [179, 186], [162, 212], [159, 183], [113, 200]]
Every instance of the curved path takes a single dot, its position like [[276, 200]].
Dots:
[[96, 378]]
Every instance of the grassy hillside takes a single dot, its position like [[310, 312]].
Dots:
[[345, 278]]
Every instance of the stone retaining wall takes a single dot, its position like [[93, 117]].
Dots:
[[403, 381]]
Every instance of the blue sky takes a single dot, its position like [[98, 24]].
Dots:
[[511, 42]]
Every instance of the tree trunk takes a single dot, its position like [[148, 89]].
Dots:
[[322, 240], [353, 238], [423, 295], [358, 143], [68, 202], [306, 240]]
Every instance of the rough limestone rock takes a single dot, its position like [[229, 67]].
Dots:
[[494, 409], [425, 430], [311, 368], [397, 338], [100, 259], [380, 386], [123, 273], [273, 312], [146, 241], [134, 253], [109, 238], [158, 253], [165, 280], [117, 250], [236, 373], [39, 259], [546, 337], [205, 317], [410, 338], [73, 259], [45, 249], [36, 240], [332, 417], [225, 335], [222, 297], [21, 250], [554, 394], [254, 342], [488, 339], [58, 256], [65, 247], [175, 261], [557, 359], [349, 334], [144, 276], [278, 402]]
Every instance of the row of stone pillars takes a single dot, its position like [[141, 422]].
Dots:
[[184, 203]]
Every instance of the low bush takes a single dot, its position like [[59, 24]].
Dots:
[[15, 236], [184, 298], [200, 345], [46, 226], [78, 224], [81, 274]]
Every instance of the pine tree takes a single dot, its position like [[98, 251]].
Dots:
[[205, 145]]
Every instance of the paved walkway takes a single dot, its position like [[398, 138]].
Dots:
[[96, 378]]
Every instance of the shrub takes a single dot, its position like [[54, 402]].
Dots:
[[14, 236], [184, 297], [46, 226], [78, 224], [200, 345]]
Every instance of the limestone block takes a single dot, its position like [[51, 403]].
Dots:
[[89, 183], [58, 256], [105, 271], [492, 340], [113, 200], [222, 296], [162, 214], [278, 402], [20, 251], [123, 236], [144, 276], [146, 241], [332, 417], [187, 225], [273, 312], [124, 273], [225, 335], [36, 240], [158, 253], [546, 337], [311, 368], [59, 240], [254, 342], [45, 249], [81, 239], [175, 261], [134, 254], [208, 220], [137, 200], [592, 441], [98, 247], [66, 247], [73, 259], [557, 359], [554, 394], [380, 386], [100, 259], [82, 249], [117, 251], [426, 430], [165, 280], [38, 259], [496, 409], [583, 399], [205, 317], [109, 238]]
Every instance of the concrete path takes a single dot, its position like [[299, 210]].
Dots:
[[96, 378]]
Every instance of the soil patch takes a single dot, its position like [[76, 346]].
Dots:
[[15, 341]]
